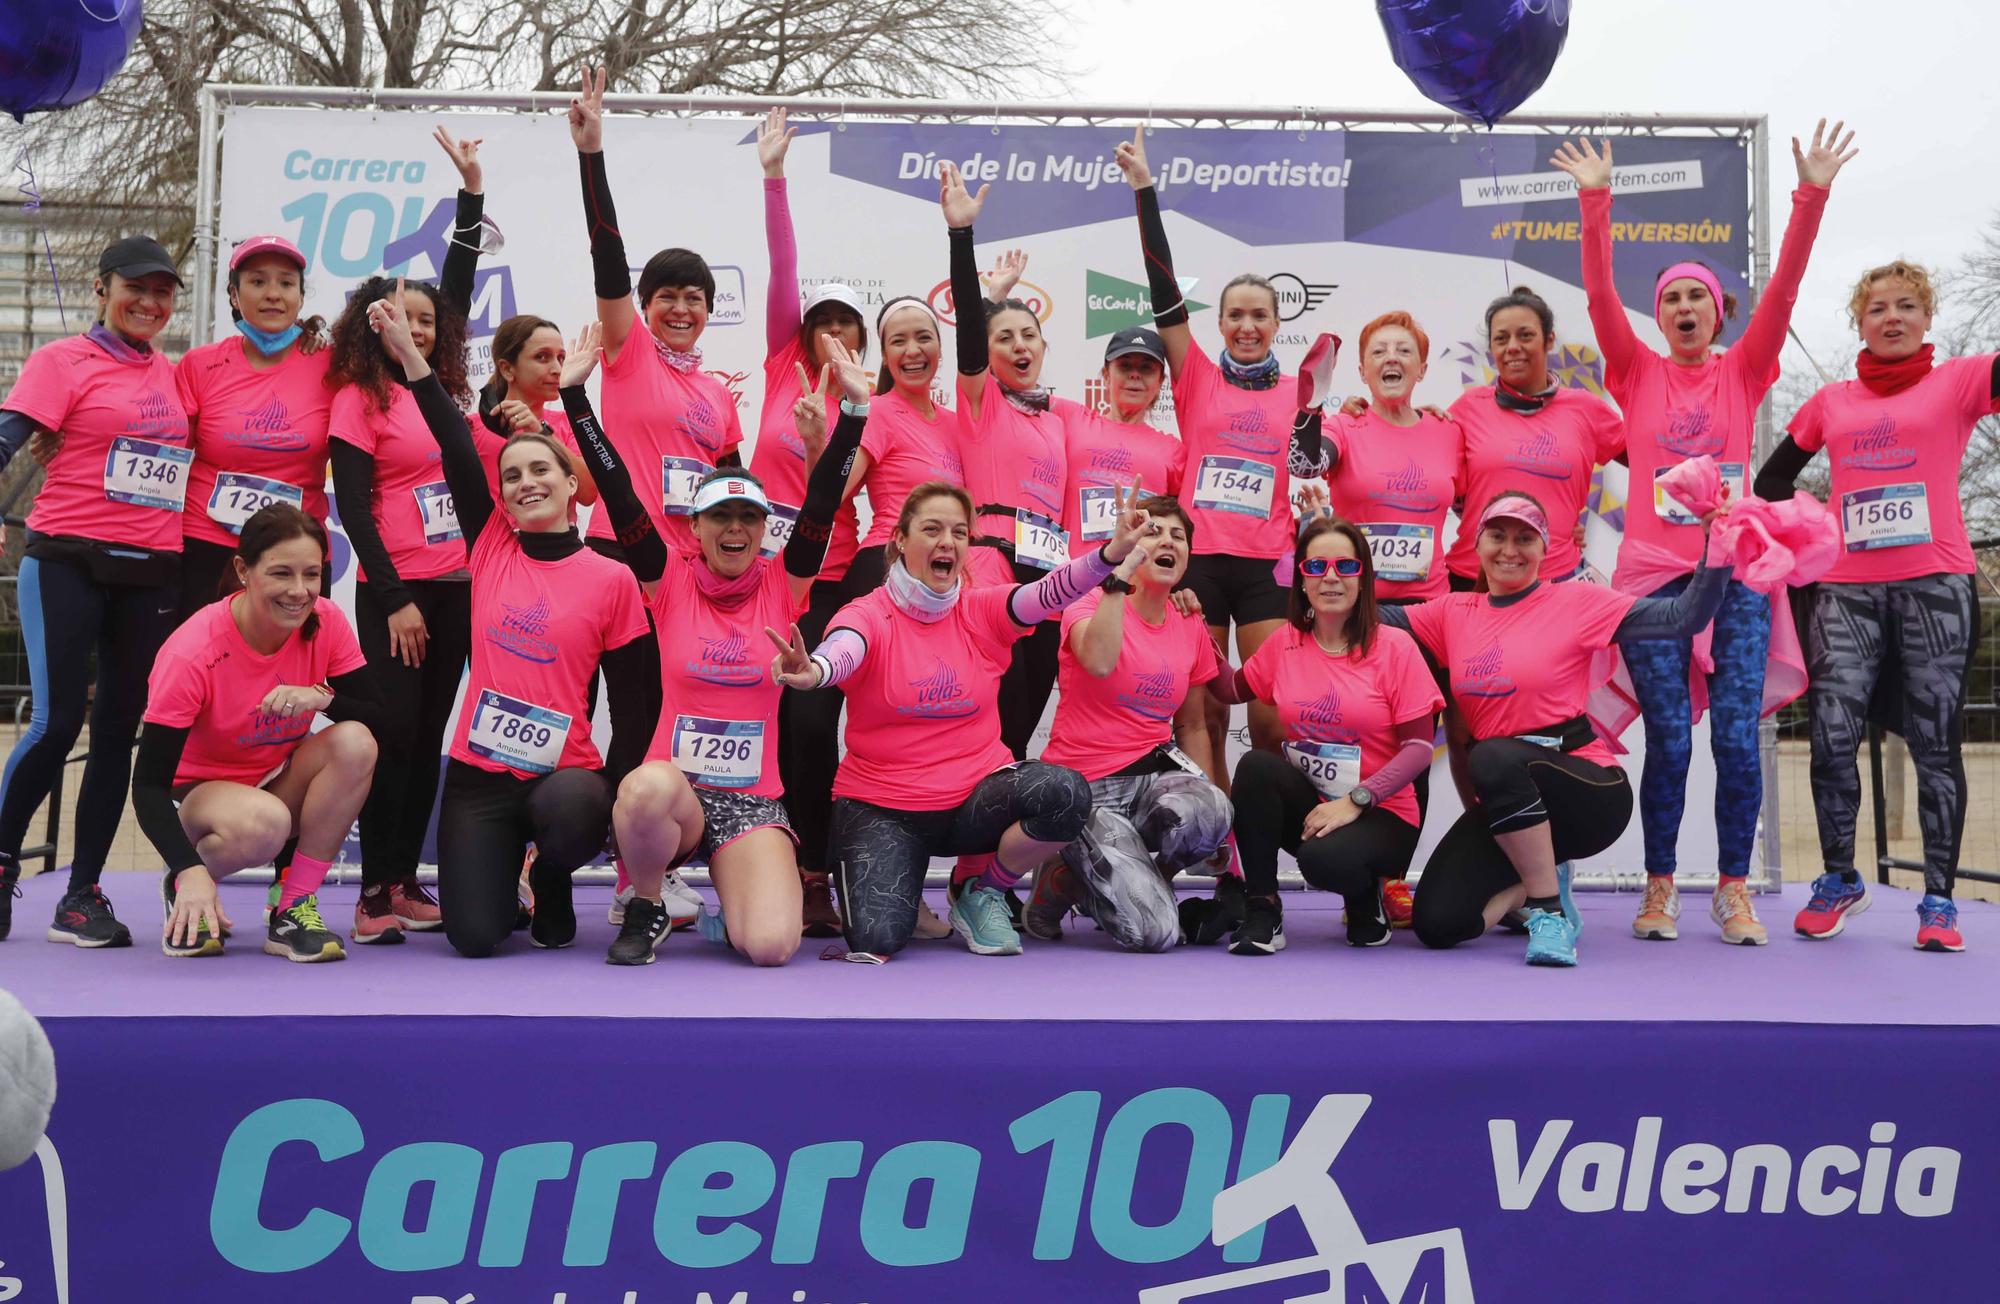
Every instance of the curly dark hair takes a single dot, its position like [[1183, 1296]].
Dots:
[[358, 356]]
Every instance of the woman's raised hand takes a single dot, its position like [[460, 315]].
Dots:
[[1007, 271], [792, 667], [1830, 151], [584, 351], [586, 113], [387, 319], [464, 157], [1131, 158], [1128, 523], [1583, 161], [961, 207], [846, 367], [774, 139]]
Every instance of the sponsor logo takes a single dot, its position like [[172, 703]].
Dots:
[[1482, 675], [1111, 303], [158, 419], [1322, 712], [1027, 292], [1539, 455], [523, 632], [273, 730], [1691, 432], [1298, 296], [1876, 448], [939, 695], [267, 427], [725, 660], [738, 385], [1152, 695], [729, 308], [1406, 490]]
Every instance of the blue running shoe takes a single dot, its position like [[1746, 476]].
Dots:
[[1551, 939], [1564, 873], [981, 917], [711, 926], [1834, 898]]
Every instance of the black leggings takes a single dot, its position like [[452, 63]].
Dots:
[[1030, 676], [416, 709], [204, 563], [881, 853], [809, 723], [66, 616], [485, 824], [1519, 784], [1272, 800]]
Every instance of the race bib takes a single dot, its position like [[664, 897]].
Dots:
[[778, 529], [1401, 553], [1735, 475], [1887, 516], [679, 476], [1039, 541], [146, 474], [720, 753], [1098, 511], [517, 734], [439, 512], [1235, 484], [1334, 768], [239, 497]]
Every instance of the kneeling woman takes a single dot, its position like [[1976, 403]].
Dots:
[[926, 774], [547, 614], [1128, 719], [1356, 706], [228, 739], [1519, 657]]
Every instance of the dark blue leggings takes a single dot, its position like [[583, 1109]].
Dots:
[[1659, 670]]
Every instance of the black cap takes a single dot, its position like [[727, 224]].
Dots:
[[136, 256], [1137, 339]]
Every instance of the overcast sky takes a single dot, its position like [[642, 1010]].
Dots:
[[1925, 100]]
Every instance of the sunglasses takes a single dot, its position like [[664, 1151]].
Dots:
[[1317, 567]]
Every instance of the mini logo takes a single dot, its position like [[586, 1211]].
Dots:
[[1027, 292], [1297, 296], [1111, 303]]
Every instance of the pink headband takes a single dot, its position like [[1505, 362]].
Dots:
[[1694, 271], [1513, 507]]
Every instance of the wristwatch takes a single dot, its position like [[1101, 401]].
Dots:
[[1112, 584], [1361, 797]]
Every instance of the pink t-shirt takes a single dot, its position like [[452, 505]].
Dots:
[[538, 630], [1014, 459], [1895, 464], [1523, 667], [923, 710], [1397, 483], [1238, 442], [412, 505], [1346, 701], [1549, 454], [779, 459], [905, 450], [212, 683], [259, 436], [719, 719], [1673, 413], [1103, 725], [668, 425], [1104, 457], [122, 472]]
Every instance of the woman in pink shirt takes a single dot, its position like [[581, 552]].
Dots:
[[101, 576], [1694, 402], [1112, 444], [228, 767], [926, 772], [547, 615], [1901, 593], [528, 359], [1129, 720], [1545, 786]]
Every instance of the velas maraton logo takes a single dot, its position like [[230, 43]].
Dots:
[[1111, 303]]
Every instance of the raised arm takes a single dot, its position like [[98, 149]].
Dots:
[[1170, 312], [610, 271], [1045, 599], [781, 299], [462, 468], [461, 256], [1682, 615], [1764, 337], [961, 209], [805, 551], [645, 552], [1592, 170]]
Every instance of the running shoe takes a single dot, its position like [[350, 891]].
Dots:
[[554, 924], [714, 930], [416, 909], [299, 934], [929, 927], [1368, 920], [620, 898], [1397, 903], [205, 943], [1262, 931], [1049, 904], [1834, 898], [10, 887], [272, 893], [84, 919], [1206, 921], [1730, 908], [1937, 924], [684, 904], [980, 917], [820, 918], [1657, 913], [1551, 939], [645, 926], [375, 918]]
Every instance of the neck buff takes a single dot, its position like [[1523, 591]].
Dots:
[[1513, 400], [549, 545], [269, 343], [722, 592], [117, 345], [1262, 374], [673, 357], [1031, 400], [918, 600], [1886, 378]]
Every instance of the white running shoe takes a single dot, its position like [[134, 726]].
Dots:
[[684, 904]]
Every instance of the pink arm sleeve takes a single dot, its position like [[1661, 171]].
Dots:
[[1607, 315], [1031, 604], [1412, 758], [781, 300], [839, 655], [1765, 335]]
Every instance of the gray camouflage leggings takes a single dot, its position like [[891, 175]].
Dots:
[[1143, 829]]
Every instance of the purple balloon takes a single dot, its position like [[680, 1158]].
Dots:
[[1479, 57], [55, 53]]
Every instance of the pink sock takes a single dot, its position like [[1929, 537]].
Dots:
[[969, 868], [302, 879], [624, 879], [1234, 869], [998, 876]]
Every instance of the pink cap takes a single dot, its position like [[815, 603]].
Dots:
[[1687, 271], [1514, 507], [266, 244]]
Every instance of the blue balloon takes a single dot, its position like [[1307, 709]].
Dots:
[[1479, 57], [55, 53]]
